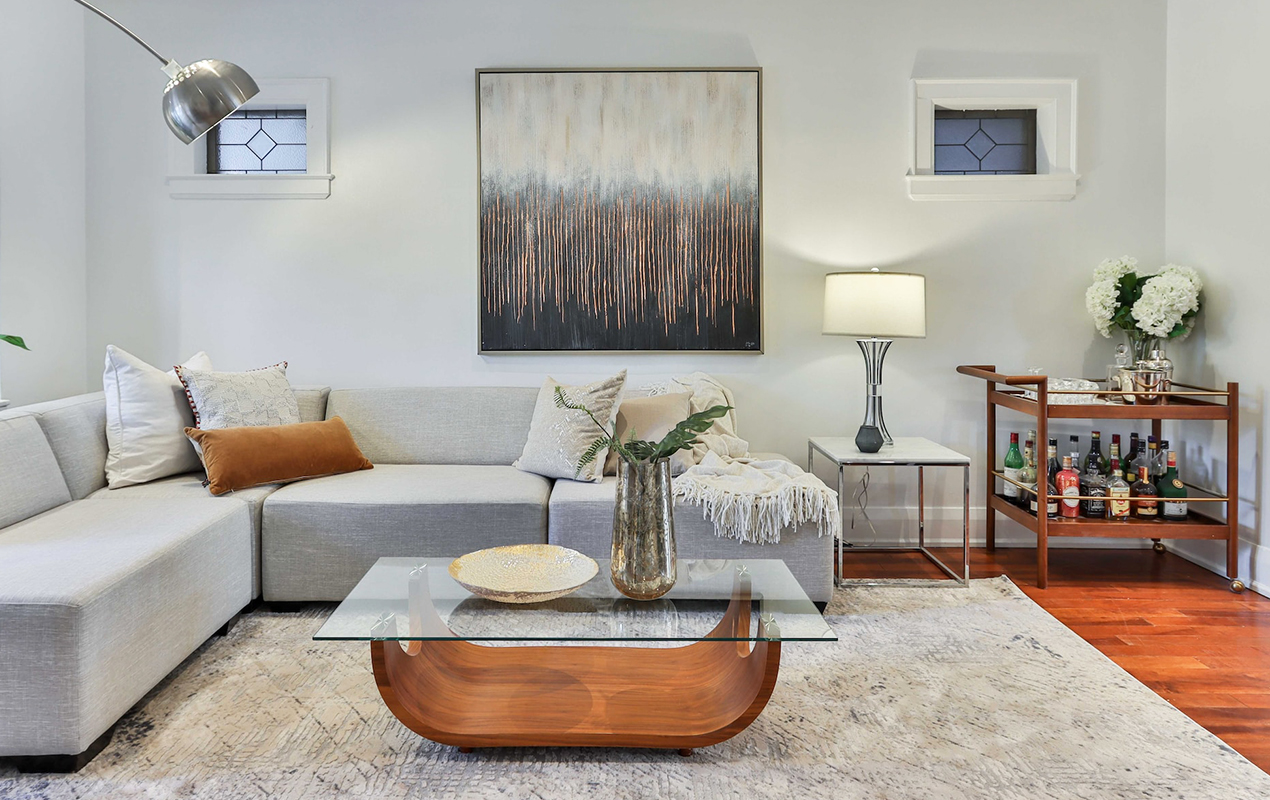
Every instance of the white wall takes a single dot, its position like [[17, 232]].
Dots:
[[377, 284], [1216, 211], [42, 278]]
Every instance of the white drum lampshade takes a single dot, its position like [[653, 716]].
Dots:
[[883, 305]]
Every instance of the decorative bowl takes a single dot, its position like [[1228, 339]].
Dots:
[[523, 573]]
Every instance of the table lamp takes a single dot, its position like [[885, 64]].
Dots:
[[877, 308]]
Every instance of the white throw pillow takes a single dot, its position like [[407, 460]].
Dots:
[[240, 399], [558, 437], [146, 417]]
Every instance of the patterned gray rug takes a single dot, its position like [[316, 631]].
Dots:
[[931, 693]]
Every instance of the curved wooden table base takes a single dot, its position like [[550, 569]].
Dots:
[[469, 695]]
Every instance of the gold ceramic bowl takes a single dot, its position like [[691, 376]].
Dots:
[[523, 573]]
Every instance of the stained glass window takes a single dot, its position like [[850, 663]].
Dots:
[[258, 141], [985, 142]]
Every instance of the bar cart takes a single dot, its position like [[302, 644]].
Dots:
[[1181, 402]]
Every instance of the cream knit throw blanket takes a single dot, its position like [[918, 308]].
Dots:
[[752, 501]]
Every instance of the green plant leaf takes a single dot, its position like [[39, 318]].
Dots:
[[16, 341], [592, 453], [684, 435]]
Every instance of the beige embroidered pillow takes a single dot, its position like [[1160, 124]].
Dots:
[[558, 437], [240, 399], [652, 418]]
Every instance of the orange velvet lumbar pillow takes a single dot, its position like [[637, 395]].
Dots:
[[239, 458]]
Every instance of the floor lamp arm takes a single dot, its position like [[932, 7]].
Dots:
[[120, 26]]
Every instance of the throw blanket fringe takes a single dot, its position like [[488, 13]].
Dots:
[[752, 501]]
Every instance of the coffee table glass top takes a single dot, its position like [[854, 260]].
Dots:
[[415, 599]]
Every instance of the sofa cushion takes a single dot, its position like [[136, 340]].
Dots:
[[430, 425], [321, 535], [190, 487], [580, 516], [30, 480], [100, 600], [312, 402], [76, 430]]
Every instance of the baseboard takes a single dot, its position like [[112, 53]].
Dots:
[[897, 526], [1254, 560]]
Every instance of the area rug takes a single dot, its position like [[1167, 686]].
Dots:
[[930, 693]]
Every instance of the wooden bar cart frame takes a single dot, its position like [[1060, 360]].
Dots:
[[1182, 402]]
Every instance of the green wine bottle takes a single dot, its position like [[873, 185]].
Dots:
[[1172, 491], [1013, 467]]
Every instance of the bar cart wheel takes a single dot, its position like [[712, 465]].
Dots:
[[1237, 586], [1158, 546]]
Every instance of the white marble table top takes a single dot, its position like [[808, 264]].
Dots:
[[906, 450]]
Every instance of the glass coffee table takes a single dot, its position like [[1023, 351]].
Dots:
[[592, 669]]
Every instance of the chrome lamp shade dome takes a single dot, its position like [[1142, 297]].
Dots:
[[202, 94]]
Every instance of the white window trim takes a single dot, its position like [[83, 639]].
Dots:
[[187, 164], [1055, 104]]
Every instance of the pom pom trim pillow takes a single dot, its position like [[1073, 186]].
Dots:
[[559, 436], [240, 399]]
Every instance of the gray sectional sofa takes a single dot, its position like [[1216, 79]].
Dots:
[[103, 592]]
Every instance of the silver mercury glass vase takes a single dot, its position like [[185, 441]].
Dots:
[[644, 563]]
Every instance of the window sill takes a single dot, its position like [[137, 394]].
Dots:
[[992, 187], [250, 187]]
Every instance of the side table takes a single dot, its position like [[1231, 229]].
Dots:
[[908, 451]]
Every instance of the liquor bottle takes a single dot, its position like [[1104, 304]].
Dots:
[[1172, 491], [1013, 464], [1143, 495], [1145, 461], [1084, 490], [1094, 486], [1161, 462], [1094, 460], [1075, 451], [1052, 465], [1117, 493], [1068, 485], [1051, 498], [1115, 453], [1027, 475], [1134, 444]]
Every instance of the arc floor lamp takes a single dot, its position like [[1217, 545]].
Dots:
[[198, 96]]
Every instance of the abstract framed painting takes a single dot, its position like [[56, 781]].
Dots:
[[620, 210]]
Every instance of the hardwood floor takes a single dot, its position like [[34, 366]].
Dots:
[[1171, 624]]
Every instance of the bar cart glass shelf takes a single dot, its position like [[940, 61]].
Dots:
[[1181, 402]]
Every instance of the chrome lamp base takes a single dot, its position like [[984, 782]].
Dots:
[[874, 351]]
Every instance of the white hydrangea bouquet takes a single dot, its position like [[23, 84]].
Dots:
[[1146, 307]]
